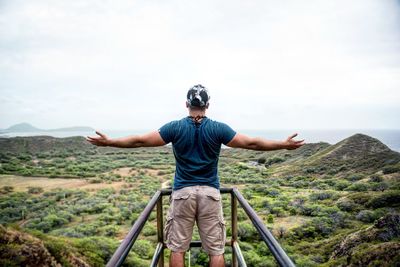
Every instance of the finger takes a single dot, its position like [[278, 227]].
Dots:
[[101, 134], [300, 141], [292, 136]]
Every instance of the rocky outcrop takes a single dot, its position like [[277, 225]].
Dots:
[[385, 229], [21, 249]]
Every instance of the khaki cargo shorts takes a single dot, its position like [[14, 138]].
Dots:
[[200, 204]]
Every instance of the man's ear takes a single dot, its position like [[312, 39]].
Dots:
[[208, 104], [187, 104]]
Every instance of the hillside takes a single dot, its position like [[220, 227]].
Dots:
[[72, 203], [358, 153], [355, 153], [41, 144]]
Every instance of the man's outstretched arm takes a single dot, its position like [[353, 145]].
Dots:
[[147, 140], [258, 143]]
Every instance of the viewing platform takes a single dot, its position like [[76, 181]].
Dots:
[[237, 257]]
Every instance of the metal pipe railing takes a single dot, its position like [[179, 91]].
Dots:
[[269, 239], [237, 257], [123, 250]]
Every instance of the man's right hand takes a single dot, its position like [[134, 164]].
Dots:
[[100, 140], [291, 144]]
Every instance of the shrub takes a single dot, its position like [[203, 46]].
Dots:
[[389, 199], [381, 186], [109, 230], [359, 187], [35, 190], [247, 232], [341, 184], [322, 195], [143, 248], [261, 160], [149, 230], [346, 204], [376, 178], [390, 169], [354, 177], [274, 160], [367, 216], [6, 189]]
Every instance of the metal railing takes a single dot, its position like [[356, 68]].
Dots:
[[237, 257]]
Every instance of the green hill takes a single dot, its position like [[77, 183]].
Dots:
[[359, 152]]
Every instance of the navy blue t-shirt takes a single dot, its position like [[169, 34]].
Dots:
[[196, 148]]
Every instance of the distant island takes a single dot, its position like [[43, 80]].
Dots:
[[26, 127]]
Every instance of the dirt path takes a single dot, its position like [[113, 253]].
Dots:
[[22, 183]]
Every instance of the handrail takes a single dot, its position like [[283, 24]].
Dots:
[[237, 258], [276, 250], [123, 250]]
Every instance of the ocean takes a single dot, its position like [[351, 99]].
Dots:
[[389, 137]]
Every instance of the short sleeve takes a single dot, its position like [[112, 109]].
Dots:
[[167, 132], [226, 133]]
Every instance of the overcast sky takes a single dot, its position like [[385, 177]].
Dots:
[[268, 64]]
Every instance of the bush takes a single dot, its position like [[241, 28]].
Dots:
[[35, 190], [376, 178], [149, 230], [389, 199], [381, 186], [143, 248], [367, 216], [6, 189], [354, 177], [359, 187], [270, 218], [109, 230], [322, 195], [274, 160], [247, 232], [341, 184], [346, 204], [261, 160], [390, 169]]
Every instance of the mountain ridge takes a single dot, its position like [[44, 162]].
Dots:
[[26, 127]]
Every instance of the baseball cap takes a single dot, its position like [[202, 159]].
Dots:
[[198, 96]]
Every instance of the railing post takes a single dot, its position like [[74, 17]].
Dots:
[[234, 227], [160, 230]]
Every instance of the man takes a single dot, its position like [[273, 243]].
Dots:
[[196, 142]]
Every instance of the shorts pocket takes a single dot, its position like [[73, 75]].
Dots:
[[179, 196], [213, 203], [181, 204], [215, 197], [222, 225], [167, 229]]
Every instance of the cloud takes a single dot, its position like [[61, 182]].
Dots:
[[90, 62]]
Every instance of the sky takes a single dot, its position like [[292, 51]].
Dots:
[[267, 64]]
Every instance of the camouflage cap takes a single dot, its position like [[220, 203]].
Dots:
[[198, 96]]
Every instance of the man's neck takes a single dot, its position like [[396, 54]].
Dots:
[[197, 113]]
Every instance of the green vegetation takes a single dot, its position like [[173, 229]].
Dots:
[[325, 205]]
